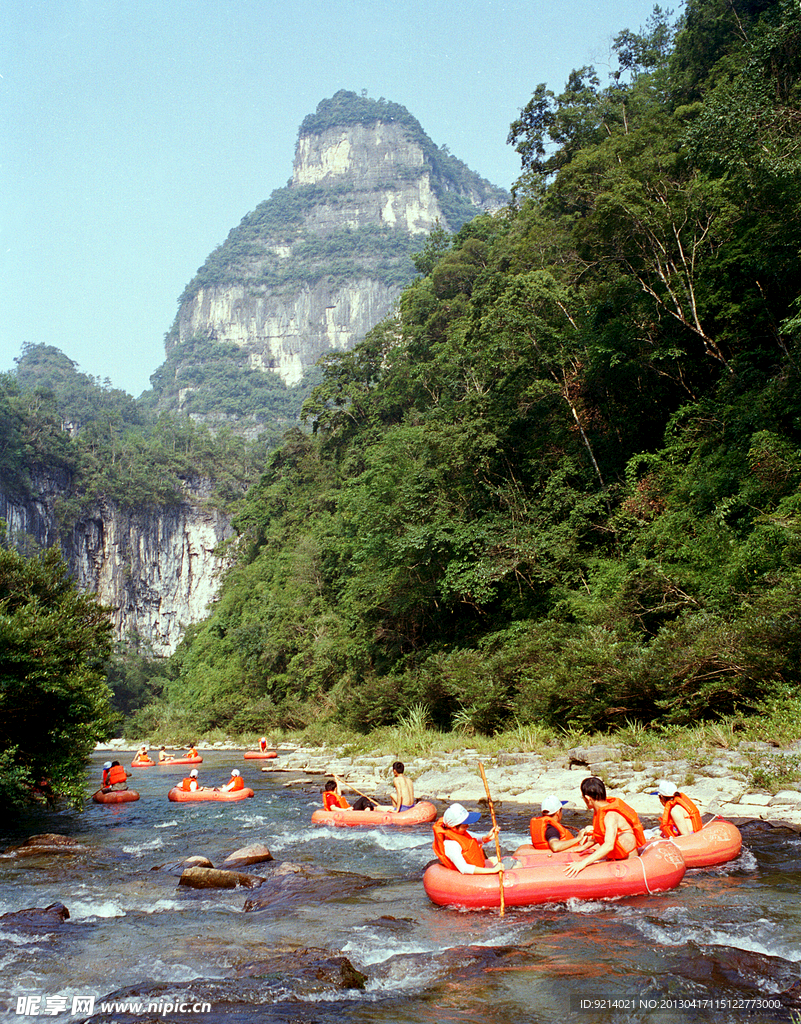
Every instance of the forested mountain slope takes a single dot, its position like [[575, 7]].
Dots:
[[562, 484]]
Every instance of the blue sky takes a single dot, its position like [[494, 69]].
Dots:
[[138, 134]]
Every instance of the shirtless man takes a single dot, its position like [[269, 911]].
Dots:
[[403, 797], [616, 829]]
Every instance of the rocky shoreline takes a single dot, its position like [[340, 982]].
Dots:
[[719, 785]]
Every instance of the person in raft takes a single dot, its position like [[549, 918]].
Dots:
[[263, 744], [143, 755], [333, 800], [236, 783], [190, 783], [115, 777], [616, 829], [457, 849], [547, 830], [104, 779], [192, 751], [403, 798], [680, 816], [163, 756]]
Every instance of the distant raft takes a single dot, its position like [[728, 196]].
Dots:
[[183, 796], [260, 755], [541, 878], [142, 764], [115, 796], [419, 814], [181, 760], [717, 842]]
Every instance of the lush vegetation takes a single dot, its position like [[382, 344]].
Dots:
[[54, 701], [562, 487], [101, 445]]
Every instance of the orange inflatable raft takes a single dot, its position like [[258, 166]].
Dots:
[[419, 814], [183, 796], [541, 878], [259, 755], [143, 764], [180, 760], [717, 842], [115, 796]]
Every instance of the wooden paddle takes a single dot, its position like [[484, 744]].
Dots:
[[494, 825], [353, 789]]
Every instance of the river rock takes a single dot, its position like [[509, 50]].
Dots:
[[177, 867], [36, 918], [786, 796], [46, 843], [214, 878], [256, 853], [291, 885]]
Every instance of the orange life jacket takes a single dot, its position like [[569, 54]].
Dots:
[[666, 822], [618, 852], [238, 783], [116, 773], [192, 752], [472, 850], [537, 829], [332, 801], [263, 744], [187, 783]]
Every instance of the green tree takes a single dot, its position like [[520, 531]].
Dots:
[[54, 701]]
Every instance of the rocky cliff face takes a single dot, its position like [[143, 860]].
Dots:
[[156, 568], [315, 267]]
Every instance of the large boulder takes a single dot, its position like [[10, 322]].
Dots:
[[36, 918], [256, 853], [46, 843]]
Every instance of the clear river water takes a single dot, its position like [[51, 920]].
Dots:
[[724, 946]]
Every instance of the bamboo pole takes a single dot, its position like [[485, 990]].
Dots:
[[497, 840]]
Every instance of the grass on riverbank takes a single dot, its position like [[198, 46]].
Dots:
[[778, 724]]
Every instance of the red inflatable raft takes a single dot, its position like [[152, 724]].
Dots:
[[419, 814], [259, 755], [181, 760], [115, 796], [143, 764], [717, 842], [542, 879], [182, 796]]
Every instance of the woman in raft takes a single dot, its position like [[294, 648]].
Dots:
[[457, 849], [236, 783], [616, 829]]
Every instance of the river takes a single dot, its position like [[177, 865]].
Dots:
[[724, 946]]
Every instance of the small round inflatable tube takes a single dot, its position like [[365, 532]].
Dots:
[[115, 796], [259, 755], [419, 814], [180, 760], [182, 796], [143, 764]]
